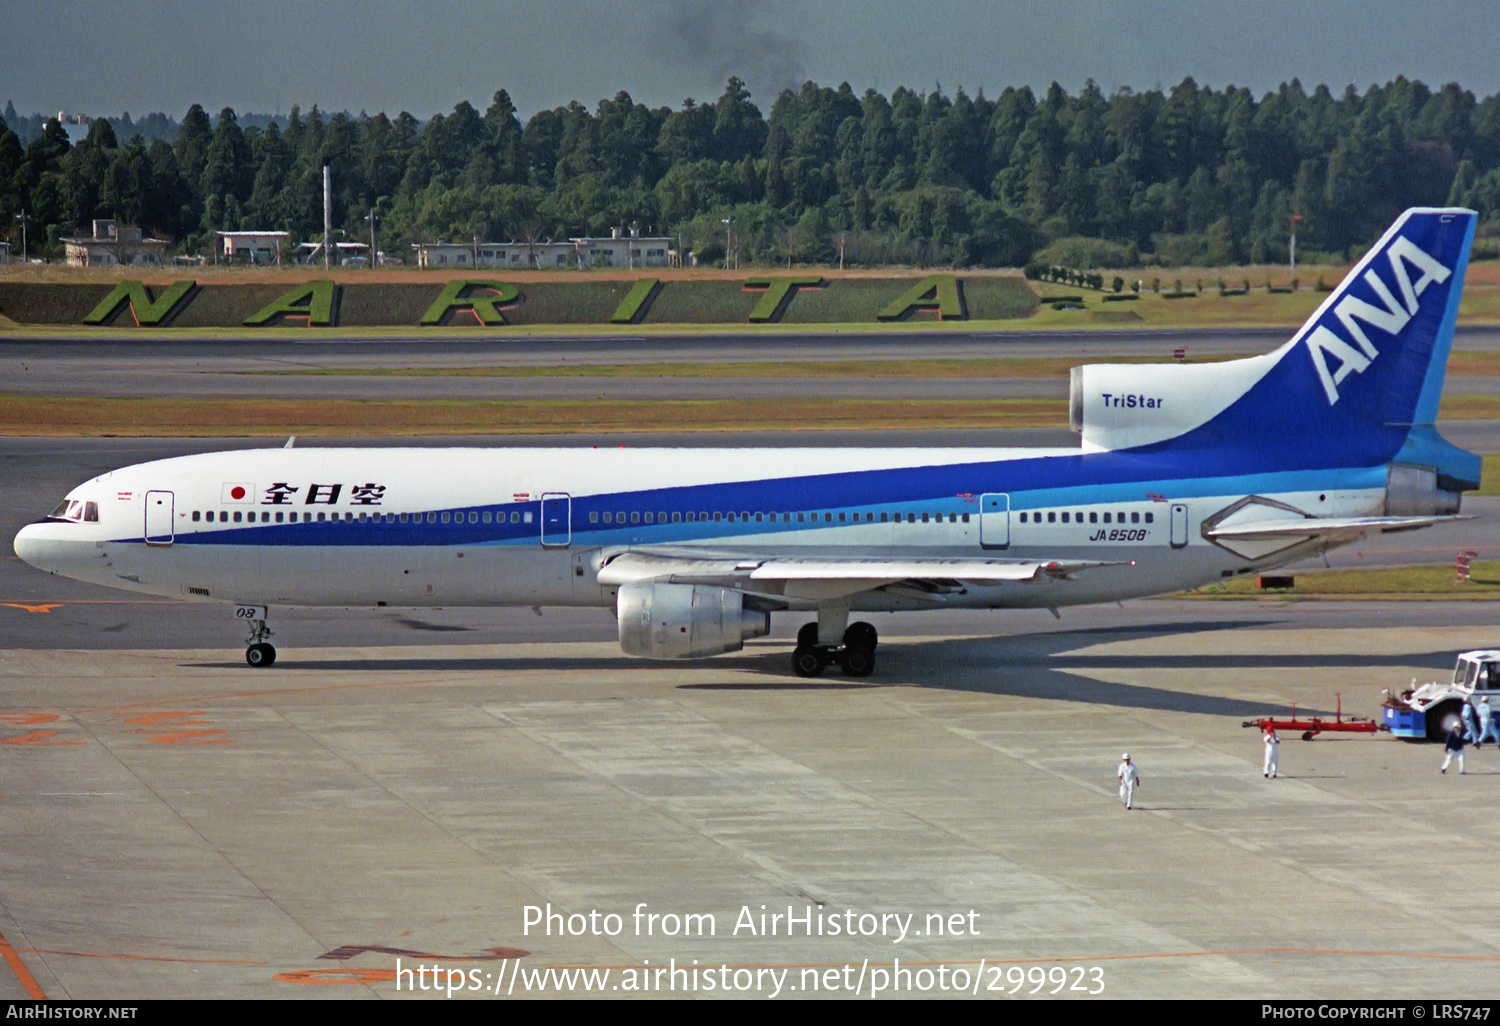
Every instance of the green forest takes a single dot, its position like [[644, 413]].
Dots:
[[1187, 175]]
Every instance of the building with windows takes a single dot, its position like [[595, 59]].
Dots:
[[252, 247], [620, 249], [113, 244]]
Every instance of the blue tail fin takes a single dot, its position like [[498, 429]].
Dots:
[[1379, 344], [1359, 384]]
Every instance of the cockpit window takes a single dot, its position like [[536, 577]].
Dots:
[[76, 510]]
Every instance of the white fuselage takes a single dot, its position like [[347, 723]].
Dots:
[[495, 527]]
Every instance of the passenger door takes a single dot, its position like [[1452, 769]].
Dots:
[[557, 519], [159, 518], [994, 520]]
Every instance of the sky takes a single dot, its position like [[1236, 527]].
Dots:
[[263, 56]]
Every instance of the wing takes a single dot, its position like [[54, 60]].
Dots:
[[824, 578]]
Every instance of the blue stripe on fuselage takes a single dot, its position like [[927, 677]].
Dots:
[[1031, 482]]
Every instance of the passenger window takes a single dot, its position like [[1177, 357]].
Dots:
[[1065, 516], [526, 517], [196, 516], [718, 516], [489, 516], [691, 517], [280, 518], [445, 517], [801, 518], [593, 518], [1106, 518], [676, 518], [842, 518], [966, 518], [473, 518], [322, 517], [1051, 517], [635, 518], [1093, 518], [237, 516], [1150, 518], [661, 518], [431, 517], [1135, 518], [885, 518], [650, 517]]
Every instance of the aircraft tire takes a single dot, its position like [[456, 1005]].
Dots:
[[261, 655], [861, 635], [807, 635], [858, 662], [808, 662]]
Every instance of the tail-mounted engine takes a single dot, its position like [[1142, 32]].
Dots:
[[685, 621]]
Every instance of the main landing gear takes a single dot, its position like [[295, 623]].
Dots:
[[856, 655], [259, 652]]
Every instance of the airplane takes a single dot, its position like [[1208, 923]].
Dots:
[[1185, 474]]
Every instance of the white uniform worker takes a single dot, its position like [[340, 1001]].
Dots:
[[1273, 746], [1487, 724], [1130, 779]]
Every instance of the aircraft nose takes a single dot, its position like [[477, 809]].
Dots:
[[30, 546], [38, 545]]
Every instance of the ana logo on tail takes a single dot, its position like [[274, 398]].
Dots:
[[1391, 318]]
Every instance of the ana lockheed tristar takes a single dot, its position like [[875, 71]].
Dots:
[[1186, 474]]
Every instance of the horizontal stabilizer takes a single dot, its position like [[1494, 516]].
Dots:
[[1334, 529]]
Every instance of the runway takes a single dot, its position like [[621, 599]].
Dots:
[[412, 789]]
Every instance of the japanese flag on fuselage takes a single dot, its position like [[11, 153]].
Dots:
[[241, 492]]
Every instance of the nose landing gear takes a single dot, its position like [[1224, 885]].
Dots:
[[258, 652]]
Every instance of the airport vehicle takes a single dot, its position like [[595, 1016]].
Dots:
[[1431, 710], [1186, 474]]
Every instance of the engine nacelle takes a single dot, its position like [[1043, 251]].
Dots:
[[1420, 491], [685, 621]]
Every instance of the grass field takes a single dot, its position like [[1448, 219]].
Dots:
[[1408, 582], [149, 417], [41, 296]]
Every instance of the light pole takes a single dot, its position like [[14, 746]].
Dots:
[[728, 241], [23, 219], [1292, 245], [372, 216]]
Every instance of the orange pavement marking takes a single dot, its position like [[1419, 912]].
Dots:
[[22, 973], [39, 607]]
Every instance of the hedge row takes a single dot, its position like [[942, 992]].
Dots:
[[767, 299]]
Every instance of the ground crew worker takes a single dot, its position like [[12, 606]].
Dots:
[[1487, 725], [1471, 732], [1273, 746], [1454, 747], [1129, 777]]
